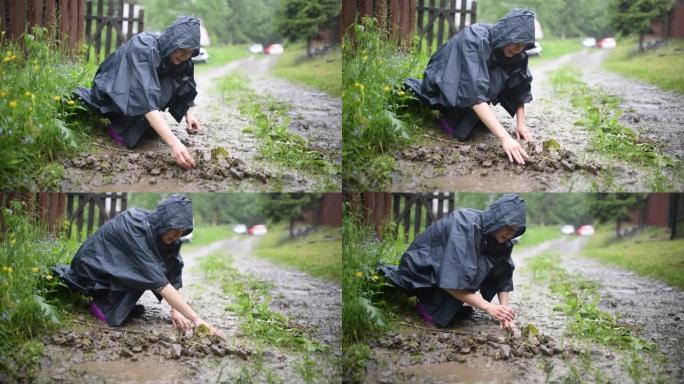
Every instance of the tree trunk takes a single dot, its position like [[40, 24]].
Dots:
[[291, 230], [308, 47], [617, 229], [641, 42]]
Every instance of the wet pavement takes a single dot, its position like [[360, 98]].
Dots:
[[148, 348], [476, 350], [226, 154], [438, 162]]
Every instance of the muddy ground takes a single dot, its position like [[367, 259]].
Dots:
[[148, 349], [475, 350], [438, 162], [227, 159]]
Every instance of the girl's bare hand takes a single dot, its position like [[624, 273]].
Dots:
[[514, 150], [521, 131], [507, 325], [212, 331], [500, 312], [182, 156], [179, 321], [193, 124]]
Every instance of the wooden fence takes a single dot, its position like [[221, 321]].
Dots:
[[111, 24], [62, 18], [89, 211], [46, 208], [432, 21]]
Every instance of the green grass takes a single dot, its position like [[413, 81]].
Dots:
[[322, 72], [318, 253], [220, 55], [537, 234], [600, 113], [649, 253], [30, 304], [661, 67], [555, 48], [270, 123], [38, 124], [207, 234]]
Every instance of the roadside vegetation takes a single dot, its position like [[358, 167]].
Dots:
[[323, 72], [205, 235], [579, 300], [38, 123], [600, 113], [636, 253], [250, 301], [31, 303], [220, 55], [318, 253], [555, 48], [537, 234], [661, 66], [270, 123]]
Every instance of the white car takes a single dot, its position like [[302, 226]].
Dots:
[[536, 51], [589, 42], [256, 48], [274, 49], [203, 56], [257, 230], [585, 230], [240, 229], [568, 229], [187, 238]]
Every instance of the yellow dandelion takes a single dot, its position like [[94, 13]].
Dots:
[[12, 104], [13, 57], [34, 269], [56, 98], [4, 268], [359, 274], [33, 97], [35, 67], [49, 277], [401, 93], [71, 102], [6, 59], [2, 94], [9, 53], [386, 88], [375, 277], [13, 242], [365, 58], [10, 270], [28, 94]]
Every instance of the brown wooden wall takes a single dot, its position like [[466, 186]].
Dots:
[[64, 19]]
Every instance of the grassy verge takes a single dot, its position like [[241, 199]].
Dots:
[[37, 124], [661, 66], [270, 123], [318, 253], [220, 55], [579, 301], [204, 235], [648, 253], [29, 305], [322, 72], [555, 48], [535, 235], [600, 113], [250, 301], [379, 116]]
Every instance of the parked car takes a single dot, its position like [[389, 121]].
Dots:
[[516, 240], [585, 230], [536, 51], [240, 229], [256, 48], [568, 229], [607, 43], [187, 238], [274, 49], [589, 42], [203, 56], [257, 230]]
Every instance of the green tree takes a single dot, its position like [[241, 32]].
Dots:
[[630, 17], [300, 19], [615, 207], [288, 207]]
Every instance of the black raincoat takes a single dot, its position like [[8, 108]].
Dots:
[[471, 68], [127, 256], [459, 252], [139, 77]]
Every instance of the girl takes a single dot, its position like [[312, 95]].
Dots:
[[136, 251], [465, 252], [482, 64], [143, 77]]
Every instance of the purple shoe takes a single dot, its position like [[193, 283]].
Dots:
[[445, 126], [115, 136], [97, 312], [423, 314]]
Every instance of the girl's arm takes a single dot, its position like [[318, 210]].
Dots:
[[178, 150], [176, 301], [503, 300], [513, 149], [500, 312], [520, 127]]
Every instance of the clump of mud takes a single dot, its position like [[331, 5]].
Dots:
[[460, 345], [215, 165], [114, 344], [545, 157]]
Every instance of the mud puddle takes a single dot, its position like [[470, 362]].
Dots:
[[149, 166], [439, 161], [149, 371], [457, 373]]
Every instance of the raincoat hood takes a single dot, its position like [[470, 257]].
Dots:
[[516, 27], [173, 213], [183, 33], [508, 210]]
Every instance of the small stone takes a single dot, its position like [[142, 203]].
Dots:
[[546, 351], [505, 352], [236, 173], [137, 349], [484, 173], [567, 165], [155, 171], [465, 350], [176, 351], [153, 180], [125, 352], [261, 177], [487, 163]]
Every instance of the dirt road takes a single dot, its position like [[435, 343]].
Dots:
[[148, 349], [150, 168], [440, 163], [477, 351]]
